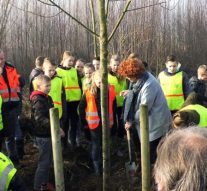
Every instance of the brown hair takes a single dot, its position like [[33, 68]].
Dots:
[[131, 68], [39, 61], [181, 160], [185, 118]]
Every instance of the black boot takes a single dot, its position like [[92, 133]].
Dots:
[[20, 148]]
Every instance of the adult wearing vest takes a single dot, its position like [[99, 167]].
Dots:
[[90, 115], [9, 89], [174, 84], [73, 92], [190, 115], [9, 179]]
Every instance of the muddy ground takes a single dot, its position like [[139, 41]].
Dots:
[[78, 170]]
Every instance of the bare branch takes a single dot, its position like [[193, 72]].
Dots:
[[45, 3], [119, 20], [72, 17], [160, 3], [43, 16]]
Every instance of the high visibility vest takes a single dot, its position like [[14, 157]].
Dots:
[[7, 172], [119, 86], [70, 83], [202, 111], [1, 121], [92, 116], [56, 93], [172, 87], [13, 80]]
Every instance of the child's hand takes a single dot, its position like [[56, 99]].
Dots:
[[123, 93], [62, 133]]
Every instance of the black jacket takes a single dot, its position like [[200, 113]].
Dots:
[[199, 87], [40, 105]]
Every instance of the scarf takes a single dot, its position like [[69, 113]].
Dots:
[[131, 98]]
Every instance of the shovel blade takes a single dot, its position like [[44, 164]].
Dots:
[[131, 169]]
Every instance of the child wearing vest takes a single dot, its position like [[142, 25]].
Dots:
[[73, 92], [174, 84], [90, 115], [190, 115], [86, 80], [41, 103], [57, 91]]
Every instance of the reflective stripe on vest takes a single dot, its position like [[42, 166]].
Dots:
[[13, 80], [172, 87], [56, 94], [70, 83], [7, 171], [201, 110], [91, 110], [119, 85], [1, 122]]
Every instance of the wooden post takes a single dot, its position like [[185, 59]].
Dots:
[[145, 153], [57, 150]]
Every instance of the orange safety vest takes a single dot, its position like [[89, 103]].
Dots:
[[13, 79], [91, 110]]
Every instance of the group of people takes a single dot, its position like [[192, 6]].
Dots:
[[74, 88]]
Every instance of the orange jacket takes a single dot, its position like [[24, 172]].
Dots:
[[91, 110], [13, 80]]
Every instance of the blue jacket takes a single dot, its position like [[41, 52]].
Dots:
[[152, 95]]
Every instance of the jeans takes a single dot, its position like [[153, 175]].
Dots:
[[96, 144], [44, 162]]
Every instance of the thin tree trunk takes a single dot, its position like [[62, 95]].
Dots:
[[104, 96]]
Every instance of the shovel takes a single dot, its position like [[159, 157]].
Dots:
[[130, 166]]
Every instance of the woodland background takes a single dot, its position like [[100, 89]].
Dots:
[[151, 28]]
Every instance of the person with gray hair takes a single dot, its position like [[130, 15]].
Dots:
[[181, 161]]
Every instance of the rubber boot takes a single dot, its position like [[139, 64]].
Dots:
[[20, 148], [96, 166]]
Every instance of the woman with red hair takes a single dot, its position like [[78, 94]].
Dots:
[[144, 89]]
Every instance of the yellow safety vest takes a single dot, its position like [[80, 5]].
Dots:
[[201, 110], [1, 121], [172, 87], [119, 86], [56, 93], [7, 172], [70, 83]]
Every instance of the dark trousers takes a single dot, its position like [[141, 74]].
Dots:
[[96, 144], [10, 122], [71, 123], [153, 146], [118, 126]]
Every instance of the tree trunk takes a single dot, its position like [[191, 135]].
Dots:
[[104, 95]]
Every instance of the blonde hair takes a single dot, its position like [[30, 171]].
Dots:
[[202, 67], [66, 55], [47, 61], [93, 88], [39, 80], [89, 65]]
